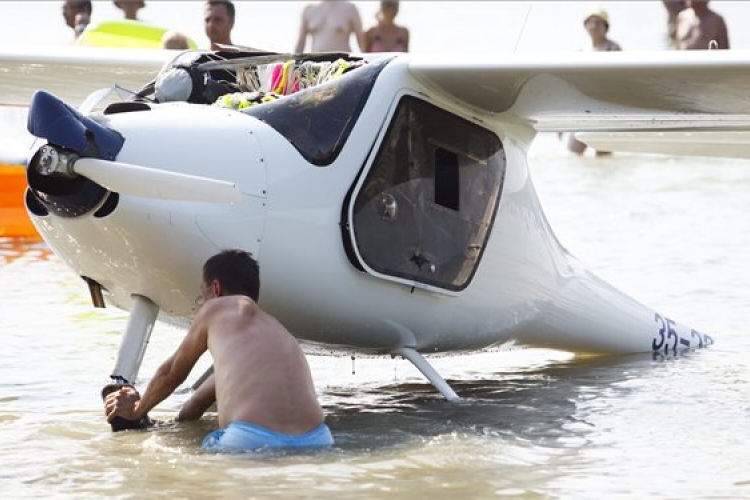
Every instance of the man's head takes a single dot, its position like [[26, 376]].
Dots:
[[174, 40], [597, 22], [218, 20], [231, 272], [71, 8], [699, 6], [130, 7]]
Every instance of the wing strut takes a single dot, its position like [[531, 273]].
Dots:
[[428, 371]]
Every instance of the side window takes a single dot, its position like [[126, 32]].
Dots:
[[426, 207]]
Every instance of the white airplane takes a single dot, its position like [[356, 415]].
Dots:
[[387, 197]]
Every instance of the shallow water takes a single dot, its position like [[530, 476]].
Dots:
[[533, 423]]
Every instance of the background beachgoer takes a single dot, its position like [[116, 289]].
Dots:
[[330, 25], [218, 20], [597, 26], [130, 8], [77, 14], [174, 40], [674, 7], [698, 27], [387, 36]]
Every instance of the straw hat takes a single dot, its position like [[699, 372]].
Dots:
[[600, 14]]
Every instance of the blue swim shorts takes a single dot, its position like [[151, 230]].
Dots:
[[244, 436]]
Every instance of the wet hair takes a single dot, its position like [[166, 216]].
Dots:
[[226, 3], [236, 270]]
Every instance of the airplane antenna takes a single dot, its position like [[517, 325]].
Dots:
[[523, 27]]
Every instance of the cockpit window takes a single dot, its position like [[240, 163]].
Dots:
[[318, 120], [426, 207]]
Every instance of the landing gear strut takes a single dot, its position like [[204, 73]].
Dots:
[[143, 316], [428, 371]]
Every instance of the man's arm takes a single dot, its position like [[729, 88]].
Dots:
[[201, 400], [171, 373]]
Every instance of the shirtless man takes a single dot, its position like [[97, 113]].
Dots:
[[698, 26], [218, 21], [261, 382], [330, 24]]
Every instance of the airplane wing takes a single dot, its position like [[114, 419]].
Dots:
[[73, 72], [613, 96], [663, 102]]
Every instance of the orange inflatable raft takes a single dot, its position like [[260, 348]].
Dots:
[[14, 221]]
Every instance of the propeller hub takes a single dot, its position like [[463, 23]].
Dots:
[[53, 161]]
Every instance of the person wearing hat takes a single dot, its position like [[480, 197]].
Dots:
[[597, 26], [130, 8]]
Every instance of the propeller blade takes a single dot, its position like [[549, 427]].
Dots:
[[153, 183]]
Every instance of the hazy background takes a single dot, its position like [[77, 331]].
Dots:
[[436, 27]]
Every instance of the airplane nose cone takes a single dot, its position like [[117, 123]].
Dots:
[[52, 119]]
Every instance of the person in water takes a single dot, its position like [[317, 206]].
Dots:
[[218, 21], [330, 24], [261, 383], [77, 15], [700, 28], [174, 40], [596, 24], [387, 36], [130, 8]]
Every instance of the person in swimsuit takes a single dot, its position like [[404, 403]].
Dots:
[[261, 383], [330, 24], [700, 28], [218, 21], [596, 24], [387, 36]]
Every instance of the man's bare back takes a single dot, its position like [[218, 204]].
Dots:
[[261, 382], [261, 373]]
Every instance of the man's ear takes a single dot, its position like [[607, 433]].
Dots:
[[216, 288]]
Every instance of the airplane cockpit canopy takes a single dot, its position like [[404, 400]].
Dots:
[[313, 100]]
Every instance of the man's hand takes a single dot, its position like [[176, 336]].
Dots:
[[122, 403]]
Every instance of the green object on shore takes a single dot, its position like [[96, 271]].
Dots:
[[125, 34]]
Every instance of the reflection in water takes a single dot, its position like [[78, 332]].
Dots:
[[16, 248]]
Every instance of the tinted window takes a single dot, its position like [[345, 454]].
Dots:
[[426, 207]]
